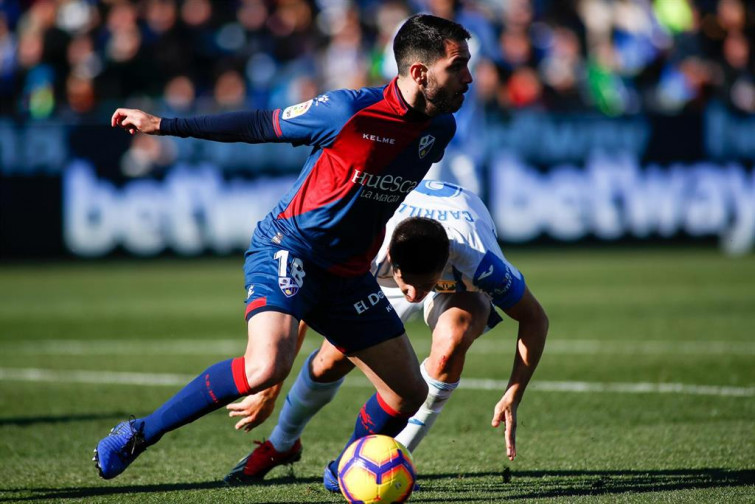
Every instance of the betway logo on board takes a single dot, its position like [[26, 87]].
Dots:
[[611, 197], [388, 183], [192, 210]]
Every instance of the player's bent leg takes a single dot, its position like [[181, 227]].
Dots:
[[270, 352], [420, 423], [456, 320], [316, 385], [271, 349], [392, 367]]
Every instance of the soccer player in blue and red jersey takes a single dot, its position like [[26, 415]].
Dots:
[[459, 295], [309, 259]]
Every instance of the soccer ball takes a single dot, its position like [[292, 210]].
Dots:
[[376, 468]]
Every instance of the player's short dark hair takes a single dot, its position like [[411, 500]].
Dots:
[[419, 245], [421, 38]]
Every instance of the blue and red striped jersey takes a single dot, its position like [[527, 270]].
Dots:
[[369, 150]]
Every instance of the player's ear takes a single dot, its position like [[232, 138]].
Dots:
[[418, 73], [397, 273]]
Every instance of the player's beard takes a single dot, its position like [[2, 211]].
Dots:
[[441, 99]]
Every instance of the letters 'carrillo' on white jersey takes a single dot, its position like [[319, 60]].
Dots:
[[475, 261]]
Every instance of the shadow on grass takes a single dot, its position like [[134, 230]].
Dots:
[[460, 487], [132, 491], [25, 421], [513, 485]]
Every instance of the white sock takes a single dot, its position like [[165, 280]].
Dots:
[[419, 425], [305, 398]]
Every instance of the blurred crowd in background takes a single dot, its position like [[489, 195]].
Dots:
[[77, 59]]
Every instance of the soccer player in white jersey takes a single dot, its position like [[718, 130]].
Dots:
[[458, 303]]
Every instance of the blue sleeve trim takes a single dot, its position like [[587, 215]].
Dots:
[[254, 126], [495, 277]]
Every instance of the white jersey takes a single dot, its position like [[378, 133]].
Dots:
[[475, 261]]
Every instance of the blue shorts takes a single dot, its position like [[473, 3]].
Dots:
[[351, 312]]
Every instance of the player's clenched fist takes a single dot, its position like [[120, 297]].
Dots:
[[133, 120]]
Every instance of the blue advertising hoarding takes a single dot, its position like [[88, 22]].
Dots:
[[90, 191]]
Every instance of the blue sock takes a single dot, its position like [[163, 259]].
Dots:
[[215, 387], [375, 417]]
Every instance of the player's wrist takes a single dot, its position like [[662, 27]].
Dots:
[[272, 392], [514, 393]]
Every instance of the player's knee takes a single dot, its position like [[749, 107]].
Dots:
[[261, 374], [454, 344], [407, 399], [449, 349], [453, 341]]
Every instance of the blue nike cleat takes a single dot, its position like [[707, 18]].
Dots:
[[329, 478], [118, 449]]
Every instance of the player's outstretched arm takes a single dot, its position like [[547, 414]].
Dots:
[[256, 408], [250, 126], [134, 120], [533, 328]]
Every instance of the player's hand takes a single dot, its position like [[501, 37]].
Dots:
[[505, 412], [253, 409], [133, 121]]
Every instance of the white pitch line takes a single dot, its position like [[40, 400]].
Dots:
[[621, 347], [93, 377], [176, 380], [621, 388], [486, 345]]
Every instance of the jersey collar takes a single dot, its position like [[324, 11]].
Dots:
[[393, 96]]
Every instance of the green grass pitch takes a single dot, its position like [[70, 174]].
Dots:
[[646, 391]]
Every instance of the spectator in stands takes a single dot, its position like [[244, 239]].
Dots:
[[588, 55]]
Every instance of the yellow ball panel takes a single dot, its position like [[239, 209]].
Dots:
[[347, 455], [380, 449], [361, 484]]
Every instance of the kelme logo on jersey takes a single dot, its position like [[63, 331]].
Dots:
[[425, 144]]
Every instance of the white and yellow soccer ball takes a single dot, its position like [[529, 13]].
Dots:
[[376, 468]]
